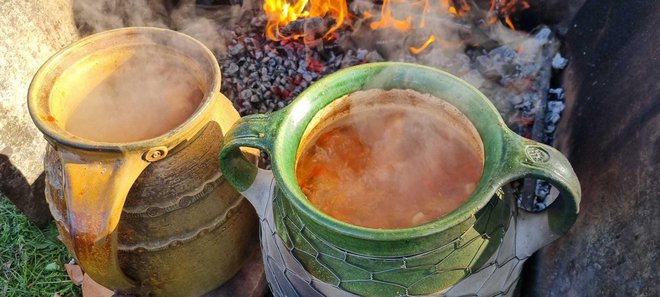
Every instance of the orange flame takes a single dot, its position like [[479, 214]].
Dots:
[[387, 20], [456, 7], [417, 50], [505, 8], [282, 12]]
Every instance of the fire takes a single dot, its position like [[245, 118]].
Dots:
[[282, 12], [455, 7], [417, 50], [386, 20], [505, 8]]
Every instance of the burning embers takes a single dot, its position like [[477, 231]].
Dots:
[[311, 20], [282, 12], [302, 43]]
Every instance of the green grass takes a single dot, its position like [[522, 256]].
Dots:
[[31, 260]]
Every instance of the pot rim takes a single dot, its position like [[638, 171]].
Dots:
[[475, 105], [45, 78]]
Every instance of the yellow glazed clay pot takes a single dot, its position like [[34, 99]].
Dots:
[[152, 216]]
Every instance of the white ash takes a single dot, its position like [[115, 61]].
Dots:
[[541, 195], [513, 69], [559, 62], [553, 111], [555, 105]]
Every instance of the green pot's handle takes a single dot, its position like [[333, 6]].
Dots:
[[254, 131], [527, 158]]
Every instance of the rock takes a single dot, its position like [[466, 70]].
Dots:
[[25, 45], [610, 132], [29, 199]]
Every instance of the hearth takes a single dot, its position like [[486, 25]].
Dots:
[[273, 56], [271, 52]]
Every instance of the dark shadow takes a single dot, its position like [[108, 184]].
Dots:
[[611, 134], [29, 199]]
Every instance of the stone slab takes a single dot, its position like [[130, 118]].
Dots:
[[32, 31], [610, 131]]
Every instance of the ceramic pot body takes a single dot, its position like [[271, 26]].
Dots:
[[478, 249], [152, 217]]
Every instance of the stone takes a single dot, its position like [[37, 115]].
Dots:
[[25, 45], [609, 131]]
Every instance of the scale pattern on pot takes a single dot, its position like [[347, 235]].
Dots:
[[287, 254]]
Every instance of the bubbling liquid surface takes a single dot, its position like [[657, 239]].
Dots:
[[144, 97], [392, 165]]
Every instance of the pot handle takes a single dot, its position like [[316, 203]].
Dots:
[[528, 158], [95, 189], [255, 131]]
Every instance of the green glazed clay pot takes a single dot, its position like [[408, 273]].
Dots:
[[477, 249]]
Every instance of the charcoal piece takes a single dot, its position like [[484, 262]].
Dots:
[[271, 63], [361, 54], [233, 68], [307, 26], [247, 93], [236, 50], [374, 56]]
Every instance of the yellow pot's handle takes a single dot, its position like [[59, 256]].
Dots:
[[95, 189]]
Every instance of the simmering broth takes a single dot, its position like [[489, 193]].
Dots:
[[405, 162], [136, 98]]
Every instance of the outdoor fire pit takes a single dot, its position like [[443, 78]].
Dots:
[[516, 52], [270, 53]]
